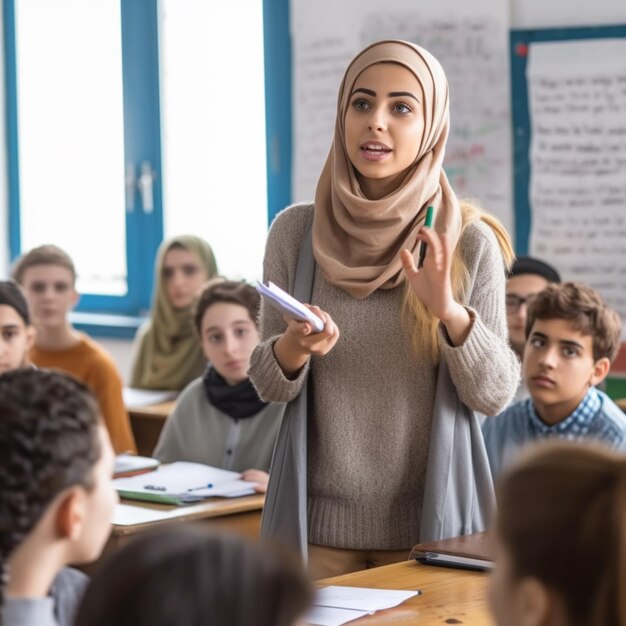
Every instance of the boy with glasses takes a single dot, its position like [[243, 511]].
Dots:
[[527, 277]]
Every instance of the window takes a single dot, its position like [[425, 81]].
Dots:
[[101, 93]]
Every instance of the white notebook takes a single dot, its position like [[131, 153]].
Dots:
[[183, 483], [288, 305]]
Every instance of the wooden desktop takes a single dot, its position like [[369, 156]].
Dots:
[[448, 596]]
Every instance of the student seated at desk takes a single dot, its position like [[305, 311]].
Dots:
[[573, 337], [219, 419], [526, 278], [48, 277], [57, 497], [186, 575], [17, 333], [167, 355], [560, 542]]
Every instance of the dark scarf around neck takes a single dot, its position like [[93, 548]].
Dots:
[[237, 401]]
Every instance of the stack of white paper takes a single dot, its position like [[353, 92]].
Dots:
[[335, 605], [182, 483], [288, 305]]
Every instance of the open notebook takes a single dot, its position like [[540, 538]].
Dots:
[[183, 483]]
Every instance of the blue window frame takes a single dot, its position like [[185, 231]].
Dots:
[[142, 139]]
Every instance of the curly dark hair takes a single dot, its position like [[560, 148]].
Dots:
[[48, 442]]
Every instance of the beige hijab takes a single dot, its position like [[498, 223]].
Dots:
[[169, 354], [357, 241]]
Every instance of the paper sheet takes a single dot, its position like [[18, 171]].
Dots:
[[328, 616], [336, 605], [136, 398], [186, 481], [577, 104]]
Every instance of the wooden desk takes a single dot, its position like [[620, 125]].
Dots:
[[449, 596], [237, 515], [147, 423]]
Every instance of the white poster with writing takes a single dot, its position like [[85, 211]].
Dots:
[[471, 42], [577, 100]]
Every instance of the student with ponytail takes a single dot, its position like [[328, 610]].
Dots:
[[380, 447], [561, 538]]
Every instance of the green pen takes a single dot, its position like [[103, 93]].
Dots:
[[430, 211]]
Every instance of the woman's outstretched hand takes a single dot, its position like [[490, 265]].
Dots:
[[432, 284], [300, 341]]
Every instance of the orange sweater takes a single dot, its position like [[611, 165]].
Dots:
[[90, 363]]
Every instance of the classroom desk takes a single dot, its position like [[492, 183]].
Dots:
[[238, 515], [147, 423], [449, 596]]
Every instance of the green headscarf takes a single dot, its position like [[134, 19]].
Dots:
[[169, 354]]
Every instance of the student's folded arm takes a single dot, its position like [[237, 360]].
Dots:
[[484, 369], [279, 266]]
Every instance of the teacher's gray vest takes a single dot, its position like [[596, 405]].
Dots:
[[458, 495]]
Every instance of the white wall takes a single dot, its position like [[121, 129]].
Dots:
[[524, 14], [559, 13]]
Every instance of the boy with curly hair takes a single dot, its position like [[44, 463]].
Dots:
[[57, 502], [573, 336]]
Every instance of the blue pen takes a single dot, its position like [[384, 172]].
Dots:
[[429, 222], [209, 486]]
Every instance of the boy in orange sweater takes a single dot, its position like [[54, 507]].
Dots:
[[48, 277]]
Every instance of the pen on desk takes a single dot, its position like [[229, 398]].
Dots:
[[207, 486], [429, 222]]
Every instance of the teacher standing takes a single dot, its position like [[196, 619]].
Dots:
[[406, 356]]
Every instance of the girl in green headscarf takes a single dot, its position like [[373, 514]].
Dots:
[[167, 352]]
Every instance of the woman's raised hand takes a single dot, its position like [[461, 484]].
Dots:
[[300, 341], [432, 283]]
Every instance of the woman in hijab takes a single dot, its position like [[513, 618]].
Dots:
[[393, 453], [167, 353]]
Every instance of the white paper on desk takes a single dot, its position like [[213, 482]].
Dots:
[[128, 515], [136, 398], [329, 616], [183, 480], [361, 598], [229, 489]]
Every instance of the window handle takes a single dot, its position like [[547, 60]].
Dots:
[[145, 184], [130, 184]]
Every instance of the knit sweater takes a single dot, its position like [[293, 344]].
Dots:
[[371, 398], [198, 431], [91, 363]]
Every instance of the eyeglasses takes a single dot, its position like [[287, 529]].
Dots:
[[514, 302]]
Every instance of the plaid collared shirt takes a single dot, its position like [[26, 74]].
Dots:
[[596, 417], [577, 424]]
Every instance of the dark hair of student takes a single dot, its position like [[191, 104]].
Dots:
[[530, 265], [47, 254], [562, 519], [186, 575], [48, 443], [11, 294], [231, 291], [585, 308]]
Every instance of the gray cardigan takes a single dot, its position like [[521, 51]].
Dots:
[[437, 486], [199, 432]]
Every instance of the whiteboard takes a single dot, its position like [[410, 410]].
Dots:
[[471, 42]]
